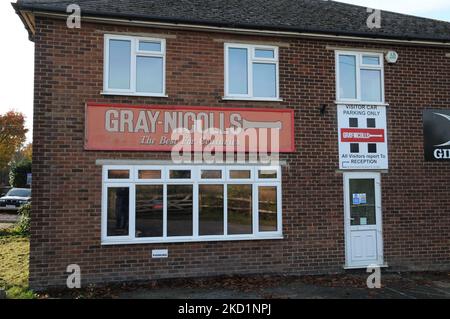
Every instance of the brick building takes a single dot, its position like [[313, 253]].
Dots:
[[352, 187]]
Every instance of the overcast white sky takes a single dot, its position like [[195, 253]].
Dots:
[[16, 54]]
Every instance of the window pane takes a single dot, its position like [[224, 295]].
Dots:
[[362, 199], [239, 203], [118, 174], [118, 202], [179, 210], [211, 174], [149, 46], [267, 174], [266, 54], [237, 71], [371, 60], [371, 85], [267, 208], [149, 174], [264, 80], [149, 74], [119, 64], [149, 211], [181, 174], [347, 76], [240, 174], [210, 199]]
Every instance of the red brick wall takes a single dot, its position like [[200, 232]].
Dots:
[[67, 183]]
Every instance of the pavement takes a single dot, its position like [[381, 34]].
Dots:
[[8, 218], [4, 226], [418, 286], [343, 286]]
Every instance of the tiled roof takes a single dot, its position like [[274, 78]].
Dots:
[[311, 16]]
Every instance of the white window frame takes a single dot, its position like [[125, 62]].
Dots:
[[251, 58], [195, 181], [119, 168], [279, 206], [148, 168], [131, 217], [268, 168], [135, 52], [240, 168], [360, 66]]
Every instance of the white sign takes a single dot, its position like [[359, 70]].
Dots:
[[362, 137], [355, 199], [359, 199], [363, 199], [160, 253]]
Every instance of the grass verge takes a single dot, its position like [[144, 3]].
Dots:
[[14, 256]]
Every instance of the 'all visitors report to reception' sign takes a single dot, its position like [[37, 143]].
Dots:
[[362, 137]]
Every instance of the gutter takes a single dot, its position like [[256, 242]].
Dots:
[[27, 17]]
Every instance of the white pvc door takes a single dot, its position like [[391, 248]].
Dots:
[[363, 220]]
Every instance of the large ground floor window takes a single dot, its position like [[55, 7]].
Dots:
[[145, 204]]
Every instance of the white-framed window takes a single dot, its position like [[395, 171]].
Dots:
[[359, 77], [160, 204], [134, 66], [251, 72]]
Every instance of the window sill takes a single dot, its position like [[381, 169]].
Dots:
[[133, 94], [110, 242], [361, 103], [365, 267], [238, 98]]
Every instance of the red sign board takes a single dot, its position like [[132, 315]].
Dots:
[[150, 128], [362, 135]]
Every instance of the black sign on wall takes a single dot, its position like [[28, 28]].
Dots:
[[436, 130]]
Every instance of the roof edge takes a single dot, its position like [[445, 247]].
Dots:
[[27, 20], [242, 28]]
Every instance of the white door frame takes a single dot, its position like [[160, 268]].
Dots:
[[347, 219]]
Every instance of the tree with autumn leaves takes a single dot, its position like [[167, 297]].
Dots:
[[12, 138]]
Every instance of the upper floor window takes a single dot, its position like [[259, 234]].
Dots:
[[360, 77], [134, 66], [251, 72]]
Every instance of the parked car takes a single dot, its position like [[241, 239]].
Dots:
[[15, 198], [4, 190]]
